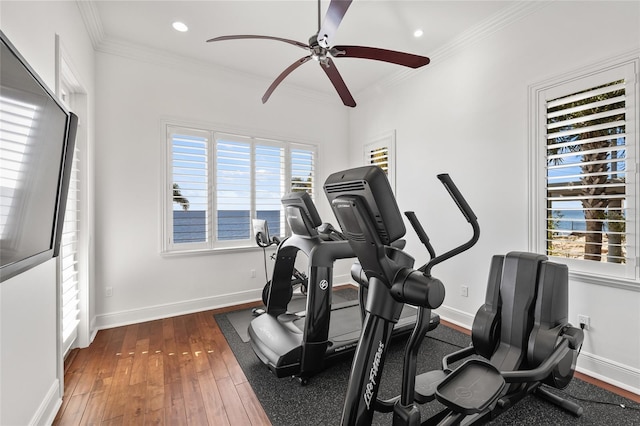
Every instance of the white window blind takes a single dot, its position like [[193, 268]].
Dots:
[[587, 196], [586, 174], [379, 156], [302, 170], [270, 175], [189, 186], [221, 181], [69, 263], [381, 152], [233, 189]]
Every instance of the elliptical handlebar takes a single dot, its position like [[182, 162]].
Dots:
[[468, 213], [424, 238], [425, 291], [457, 197]]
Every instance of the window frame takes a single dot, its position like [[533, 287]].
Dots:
[[627, 67], [213, 135]]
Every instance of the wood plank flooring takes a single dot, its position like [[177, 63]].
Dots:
[[174, 371]]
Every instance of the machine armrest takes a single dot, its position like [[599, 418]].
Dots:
[[543, 370]]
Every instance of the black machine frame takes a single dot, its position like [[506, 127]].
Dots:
[[368, 214]]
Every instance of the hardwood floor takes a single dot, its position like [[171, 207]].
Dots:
[[172, 371]]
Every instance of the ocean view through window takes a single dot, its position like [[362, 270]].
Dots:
[[218, 182]]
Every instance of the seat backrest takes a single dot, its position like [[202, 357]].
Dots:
[[506, 320], [550, 313]]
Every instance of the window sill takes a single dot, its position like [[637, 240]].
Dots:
[[603, 280], [209, 251]]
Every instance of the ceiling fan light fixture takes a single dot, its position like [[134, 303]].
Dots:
[[418, 33], [180, 26], [319, 50]]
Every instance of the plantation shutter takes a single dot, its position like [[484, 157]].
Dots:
[[190, 186], [233, 187], [302, 170], [586, 181], [380, 152], [379, 156], [69, 263], [270, 184], [221, 181]]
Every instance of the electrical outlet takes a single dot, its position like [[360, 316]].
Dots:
[[108, 291], [464, 291], [584, 321], [253, 273]]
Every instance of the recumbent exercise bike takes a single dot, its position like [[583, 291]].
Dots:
[[520, 336]]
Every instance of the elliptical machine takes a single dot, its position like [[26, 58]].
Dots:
[[521, 337]]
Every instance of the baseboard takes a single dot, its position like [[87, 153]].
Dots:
[[614, 373], [606, 370], [93, 329], [150, 313], [48, 409], [455, 316]]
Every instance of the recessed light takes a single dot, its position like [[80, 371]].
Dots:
[[418, 33], [180, 26]]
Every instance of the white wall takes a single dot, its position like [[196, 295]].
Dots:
[[29, 389], [30, 370], [466, 115], [134, 97]]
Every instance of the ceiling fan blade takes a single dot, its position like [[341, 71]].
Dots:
[[282, 76], [335, 13], [243, 36], [337, 81], [399, 58]]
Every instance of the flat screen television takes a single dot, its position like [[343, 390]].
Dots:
[[37, 138]]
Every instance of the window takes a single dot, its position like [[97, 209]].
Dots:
[[217, 182], [73, 264], [69, 265], [381, 152], [586, 150]]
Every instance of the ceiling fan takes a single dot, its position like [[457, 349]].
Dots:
[[320, 49]]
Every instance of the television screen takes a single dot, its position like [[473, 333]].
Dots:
[[36, 144]]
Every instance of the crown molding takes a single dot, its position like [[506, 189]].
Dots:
[[124, 48], [105, 44], [92, 22], [491, 25]]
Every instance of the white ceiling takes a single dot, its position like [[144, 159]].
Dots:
[[386, 24]]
